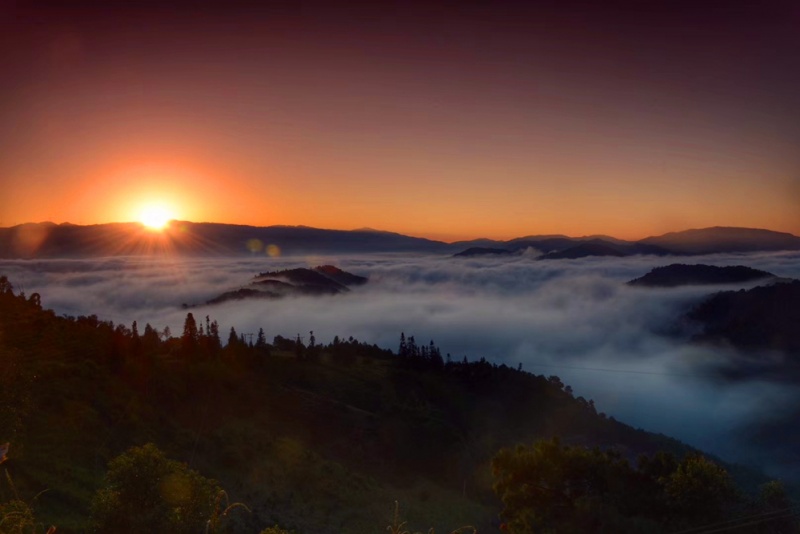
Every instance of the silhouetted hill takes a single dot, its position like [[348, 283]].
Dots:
[[634, 249], [569, 248], [340, 276], [688, 242], [679, 274], [514, 246], [322, 280], [583, 250], [724, 239], [35, 240], [48, 240], [481, 251], [599, 247], [540, 242], [764, 317], [479, 243], [544, 244]]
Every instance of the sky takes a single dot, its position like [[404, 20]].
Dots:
[[449, 120]]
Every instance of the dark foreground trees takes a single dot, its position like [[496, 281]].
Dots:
[[549, 487], [145, 491]]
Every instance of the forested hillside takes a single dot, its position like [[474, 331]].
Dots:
[[314, 437]]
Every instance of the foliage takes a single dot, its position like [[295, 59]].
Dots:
[[548, 487], [145, 491], [16, 517], [698, 490], [553, 488]]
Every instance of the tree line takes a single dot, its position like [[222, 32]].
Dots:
[[76, 392]]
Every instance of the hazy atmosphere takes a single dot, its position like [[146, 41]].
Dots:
[[321, 267], [612, 343]]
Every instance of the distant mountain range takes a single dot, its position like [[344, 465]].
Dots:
[[687, 243], [49, 240], [484, 251]]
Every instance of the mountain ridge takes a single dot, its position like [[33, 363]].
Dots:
[[320, 280], [50, 240], [718, 239], [679, 274]]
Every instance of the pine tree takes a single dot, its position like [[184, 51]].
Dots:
[[435, 357], [403, 350], [213, 332], [261, 341], [136, 342], [150, 339], [299, 349], [190, 337]]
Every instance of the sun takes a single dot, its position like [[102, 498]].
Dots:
[[155, 216]]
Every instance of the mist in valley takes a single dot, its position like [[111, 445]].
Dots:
[[626, 348]]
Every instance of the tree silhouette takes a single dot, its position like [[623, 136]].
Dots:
[[261, 341], [299, 348], [189, 338], [213, 333], [233, 338]]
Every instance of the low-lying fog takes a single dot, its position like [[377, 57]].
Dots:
[[576, 319]]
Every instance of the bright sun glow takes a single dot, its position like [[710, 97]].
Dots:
[[155, 217]]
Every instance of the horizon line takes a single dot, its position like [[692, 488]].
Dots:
[[375, 230]]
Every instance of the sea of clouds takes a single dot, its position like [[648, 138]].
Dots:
[[627, 348]]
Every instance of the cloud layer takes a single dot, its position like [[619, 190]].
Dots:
[[577, 319]]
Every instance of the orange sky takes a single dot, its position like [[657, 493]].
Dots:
[[440, 122]]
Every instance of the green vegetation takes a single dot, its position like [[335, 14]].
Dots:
[[549, 488], [144, 491], [118, 426]]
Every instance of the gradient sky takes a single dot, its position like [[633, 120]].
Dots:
[[448, 120]]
